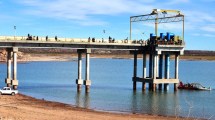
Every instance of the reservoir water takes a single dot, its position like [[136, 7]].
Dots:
[[111, 88]]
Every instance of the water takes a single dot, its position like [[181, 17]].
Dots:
[[111, 88]]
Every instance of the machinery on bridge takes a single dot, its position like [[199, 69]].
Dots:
[[164, 39], [159, 16]]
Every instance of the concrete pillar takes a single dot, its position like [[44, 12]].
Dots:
[[8, 79], [87, 73], [167, 66], [160, 70], [135, 71], [15, 81], [79, 81], [150, 65], [150, 69], [155, 70], [144, 71], [155, 67], [154, 87], [176, 71]]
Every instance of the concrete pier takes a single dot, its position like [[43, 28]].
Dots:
[[150, 70], [167, 66], [8, 79], [79, 81], [144, 72], [87, 81], [155, 58], [176, 71], [160, 71], [135, 71], [15, 81]]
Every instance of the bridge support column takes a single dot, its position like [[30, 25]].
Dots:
[[144, 72], [15, 81], [176, 71], [160, 71], [154, 70], [8, 79], [135, 71], [79, 81], [87, 81], [150, 69], [167, 65]]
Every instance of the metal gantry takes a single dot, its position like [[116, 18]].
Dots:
[[159, 16]]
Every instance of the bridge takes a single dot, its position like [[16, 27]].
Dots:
[[158, 48], [155, 53]]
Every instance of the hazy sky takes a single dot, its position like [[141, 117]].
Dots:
[[88, 18]]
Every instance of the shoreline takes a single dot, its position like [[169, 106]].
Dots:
[[26, 107]]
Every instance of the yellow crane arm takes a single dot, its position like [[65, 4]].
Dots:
[[165, 11]]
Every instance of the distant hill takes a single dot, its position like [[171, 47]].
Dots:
[[199, 53]]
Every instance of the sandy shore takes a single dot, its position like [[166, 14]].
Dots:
[[21, 107]]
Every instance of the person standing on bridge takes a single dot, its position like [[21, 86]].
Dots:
[[89, 39], [55, 38], [47, 38]]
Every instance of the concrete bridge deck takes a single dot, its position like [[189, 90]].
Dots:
[[79, 43], [75, 43]]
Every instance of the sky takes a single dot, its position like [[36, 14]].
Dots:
[[89, 18]]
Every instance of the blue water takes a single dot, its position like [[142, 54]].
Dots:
[[111, 88]]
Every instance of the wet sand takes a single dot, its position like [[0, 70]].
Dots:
[[21, 107]]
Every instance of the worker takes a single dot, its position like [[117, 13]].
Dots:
[[89, 39], [55, 38], [47, 38]]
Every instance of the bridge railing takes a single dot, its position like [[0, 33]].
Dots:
[[75, 40]]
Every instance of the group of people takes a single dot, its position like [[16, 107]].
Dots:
[[30, 37], [111, 40]]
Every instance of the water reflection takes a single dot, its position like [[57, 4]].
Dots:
[[153, 102], [82, 100]]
